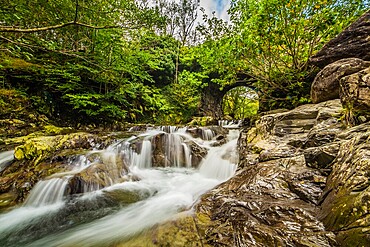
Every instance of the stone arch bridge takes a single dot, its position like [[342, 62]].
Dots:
[[212, 96]]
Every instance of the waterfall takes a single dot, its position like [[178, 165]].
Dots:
[[47, 192], [6, 158], [122, 191], [174, 150], [221, 162], [207, 134], [187, 154], [144, 158], [231, 124]]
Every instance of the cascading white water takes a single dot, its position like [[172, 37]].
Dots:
[[174, 150], [187, 154], [6, 158], [47, 192], [231, 124], [143, 160], [207, 134], [221, 162], [164, 192]]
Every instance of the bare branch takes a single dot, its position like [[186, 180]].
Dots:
[[76, 13], [41, 29]]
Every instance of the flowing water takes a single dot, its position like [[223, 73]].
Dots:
[[6, 158], [120, 191]]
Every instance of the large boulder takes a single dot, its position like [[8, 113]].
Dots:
[[346, 199], [355, 93], [110, 169], [40, 148], [326, 84], [352, 42]]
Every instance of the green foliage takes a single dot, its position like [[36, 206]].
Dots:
[[240, 103], [183, 97], [133, 61], [276, 39]]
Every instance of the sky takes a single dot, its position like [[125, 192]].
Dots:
[[219, 6]]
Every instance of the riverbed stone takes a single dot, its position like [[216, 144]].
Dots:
[[109, 170]]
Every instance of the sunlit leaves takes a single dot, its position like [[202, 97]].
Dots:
[[276, 39]]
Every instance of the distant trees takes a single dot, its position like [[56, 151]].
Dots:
[[180, 18], [275, 39], [149, 61]]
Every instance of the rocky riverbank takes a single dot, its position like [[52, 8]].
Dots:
[[302, 181], [303, 176]]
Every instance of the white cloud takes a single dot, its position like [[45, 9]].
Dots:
[[220, 8]]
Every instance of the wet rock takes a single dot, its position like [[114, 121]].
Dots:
[[283, 135], [159, 152], [40, 148], [351, 42], [346, 199], [264, 205], [198, 153], [110, 170], [273, 200], [322, 157], [326, 84], [355, 93], [7, 200], [219, 141]]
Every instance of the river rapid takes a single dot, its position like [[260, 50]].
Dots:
[[134, 199]]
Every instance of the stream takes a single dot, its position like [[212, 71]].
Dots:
[[111, 195]]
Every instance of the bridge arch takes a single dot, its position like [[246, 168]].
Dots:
[[212, 98]]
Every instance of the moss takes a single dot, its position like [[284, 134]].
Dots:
[[354, 237], [7, 200], [16, 63], [39, 148], [12, 102], [202, 121], [187, 230], [54, 130]]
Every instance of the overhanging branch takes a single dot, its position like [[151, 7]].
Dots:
[[41, 29], [31, 47]]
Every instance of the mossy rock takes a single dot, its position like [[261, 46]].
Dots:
[[203, 121], [40, 148], [7, 200], [54, 130], [47, 130], [186, 230]]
